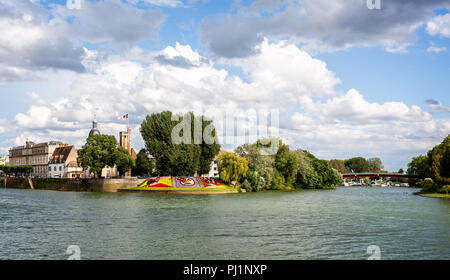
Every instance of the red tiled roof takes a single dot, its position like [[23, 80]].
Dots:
[[61, 154]]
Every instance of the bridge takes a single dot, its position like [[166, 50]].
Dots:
[[377, 175]]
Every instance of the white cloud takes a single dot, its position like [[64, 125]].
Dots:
[[34, 39], [280, 77], [432, 48], [439, 25], [319, 25], [111, 21], [31, 42], [169, 3], [353, 107], [436, 106]]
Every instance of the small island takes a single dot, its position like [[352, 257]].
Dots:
[[182, 185]]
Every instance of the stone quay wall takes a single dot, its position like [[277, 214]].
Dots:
[[86, 185]]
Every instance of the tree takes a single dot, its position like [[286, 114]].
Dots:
[[24, 169], [401, 171], [123, 160], [231, 167], [434, 166], [144, 167], [97, 153], [315, 173], [189, 152], [339, 165], [374, 165], [287, 163], [418, 166], [357, 165]]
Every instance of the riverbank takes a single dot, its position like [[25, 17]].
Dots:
[[434, 195], [131, 185], [71, 185], [181, 185], [182, 190]]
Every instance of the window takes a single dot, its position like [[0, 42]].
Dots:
[[54, 168], [60, 168]]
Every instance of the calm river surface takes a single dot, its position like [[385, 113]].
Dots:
[[334, 224]]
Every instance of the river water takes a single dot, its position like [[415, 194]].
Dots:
[[331, 224]]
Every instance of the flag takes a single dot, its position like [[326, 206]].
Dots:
[[125, 116]]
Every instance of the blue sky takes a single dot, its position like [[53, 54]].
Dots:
[[347, 81]]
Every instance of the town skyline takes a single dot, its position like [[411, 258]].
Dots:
[[339, 95]]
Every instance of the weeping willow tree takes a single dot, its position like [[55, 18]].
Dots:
[[231, 167]]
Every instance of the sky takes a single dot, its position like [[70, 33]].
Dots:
[[345, 80]]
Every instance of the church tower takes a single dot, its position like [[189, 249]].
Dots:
[[94, 130], [125, 139], [125, 142]]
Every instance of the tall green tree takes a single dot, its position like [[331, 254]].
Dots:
[[339, 165], [287, 163], [357, 165], [434, 167], [178, 144], [374, 165], [231, 167], [122, 159], [97, 153], [144, 167], [315, 173]]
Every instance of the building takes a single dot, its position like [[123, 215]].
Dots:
[[35, 155], [214, 171], [94, 130], [63, 163], [4, 160], [125, 142]]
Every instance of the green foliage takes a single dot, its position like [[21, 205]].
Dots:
[[286, 163], [179, 158], [231, 167], [143, 167], [97, 153], [428, 185], [9, 169], [319, 173], [122, 159], [357, 165], [435, 166], [339, 165], [445, 189], [374, 165], [285, 169]]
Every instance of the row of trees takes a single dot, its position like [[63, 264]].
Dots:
[[103, 150], [357, 165], [433, 169], [157, 130], [9, 169], [257, 171]]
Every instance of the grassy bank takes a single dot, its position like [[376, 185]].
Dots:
[[434, 195], [218, 188]]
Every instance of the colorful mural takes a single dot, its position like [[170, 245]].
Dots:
[[208, 182], [158, 182], [187, 182], [180, 182]]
